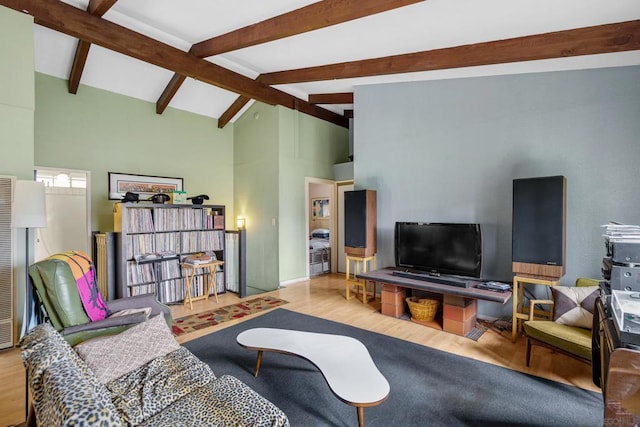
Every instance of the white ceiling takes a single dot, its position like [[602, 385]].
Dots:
[[427, 25]]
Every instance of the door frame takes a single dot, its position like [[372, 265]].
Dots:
[[333, 210], [87, 231]]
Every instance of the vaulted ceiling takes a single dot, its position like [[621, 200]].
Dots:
[[215, 57]]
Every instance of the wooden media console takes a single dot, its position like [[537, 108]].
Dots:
[[459, 305]]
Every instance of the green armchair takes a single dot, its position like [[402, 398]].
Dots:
[[567, 327], [61, 304]]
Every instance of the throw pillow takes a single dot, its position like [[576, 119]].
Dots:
[[112, 356], [574, 305]]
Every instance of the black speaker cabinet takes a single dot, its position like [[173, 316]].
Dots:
[[360, 223], [538, 227]]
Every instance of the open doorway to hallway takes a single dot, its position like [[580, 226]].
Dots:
[[320, 225], [325, 225]]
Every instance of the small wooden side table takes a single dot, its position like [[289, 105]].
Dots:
[[190, 270], [521, 312], [360, 264]]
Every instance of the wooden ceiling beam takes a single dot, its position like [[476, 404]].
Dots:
[[321, 113], [313, 17], [77, 68], [309, 18], [75, 22], [97, 8], [234, 109], [169, 92], [331, 98], [100, 7], [618, 37]]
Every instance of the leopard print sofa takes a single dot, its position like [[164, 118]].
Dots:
[[173, 390]]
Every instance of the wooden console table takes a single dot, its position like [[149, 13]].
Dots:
[[459, 304], [190, 271]]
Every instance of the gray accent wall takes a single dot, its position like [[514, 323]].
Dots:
[[447, 151]]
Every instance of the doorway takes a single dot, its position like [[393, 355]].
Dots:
[[334, 191], [68, 228]]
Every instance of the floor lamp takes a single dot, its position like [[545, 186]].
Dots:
[[28, 211]]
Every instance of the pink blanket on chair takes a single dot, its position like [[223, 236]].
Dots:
[[85, 274]]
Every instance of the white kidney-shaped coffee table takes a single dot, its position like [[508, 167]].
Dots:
[[344, 362]]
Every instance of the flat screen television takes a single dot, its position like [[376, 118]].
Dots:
[[439, 248]]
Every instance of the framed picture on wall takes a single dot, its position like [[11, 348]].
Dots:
[[144, 185], [319, 208]]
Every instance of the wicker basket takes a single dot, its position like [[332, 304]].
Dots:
[[423, 309]]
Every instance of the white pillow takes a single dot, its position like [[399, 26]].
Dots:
[[112, 356]]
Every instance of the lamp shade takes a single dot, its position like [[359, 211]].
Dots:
[[240, 222], [29, 205]]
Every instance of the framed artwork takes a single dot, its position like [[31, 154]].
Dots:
[[319, 208], [120, 183]]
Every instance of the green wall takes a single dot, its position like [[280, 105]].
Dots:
[[275, 149], [103, 132], [16, 93], [256, 197], [308, 148], [16, 128]]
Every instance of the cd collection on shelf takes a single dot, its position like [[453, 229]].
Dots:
[[154, 239]]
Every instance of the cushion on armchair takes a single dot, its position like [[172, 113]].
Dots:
[[573, 305], [572, 339], [112, 356]]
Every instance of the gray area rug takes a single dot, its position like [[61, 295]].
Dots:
[[428, 387]]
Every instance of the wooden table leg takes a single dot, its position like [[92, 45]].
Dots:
[[212, 280], [187, 297], [347, 285], [360, 416], [364, 282], [258, 361], [516, 309]]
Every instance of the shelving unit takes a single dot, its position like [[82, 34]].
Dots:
[[153, 239]]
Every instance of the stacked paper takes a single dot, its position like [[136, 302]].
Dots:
[[616, 232]]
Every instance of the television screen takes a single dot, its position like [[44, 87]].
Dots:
[[439, 248]]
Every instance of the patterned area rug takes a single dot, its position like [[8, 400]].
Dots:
[[194, 322]]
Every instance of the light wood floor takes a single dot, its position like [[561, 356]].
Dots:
[[323, 296]]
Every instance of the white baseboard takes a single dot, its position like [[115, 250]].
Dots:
[[294, 281]]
